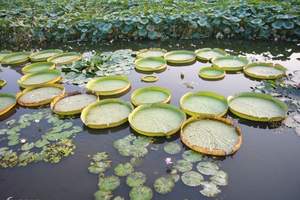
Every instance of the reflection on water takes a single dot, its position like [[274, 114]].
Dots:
[[266, 166]]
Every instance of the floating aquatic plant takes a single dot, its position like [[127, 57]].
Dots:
[[103, 195], [164, 185], [141, 192], [123, 169], [183, 165], [192, 156], [207, 168], [209, 189], [108, 183], [220, 178], [172, 148], [100, 163], [136, 179], [192, 178], [53, 153]]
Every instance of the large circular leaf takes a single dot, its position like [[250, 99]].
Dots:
[[152, 94]]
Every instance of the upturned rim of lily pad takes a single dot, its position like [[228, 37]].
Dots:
[[259, 76], [214, 95], [150, 88], [140, 53], [207, 151], [202, 73], [77, 57], [139, 64], [218, 50], [184, 61], [18, 61], [2, 83], [279, 103], [149, 78], [9, 107], [4, 53], [86, 110], [244, 60], [26, 69], [91, 83], [38, 103], [154, 105], [64, 95], [33, 55], [26, 76]]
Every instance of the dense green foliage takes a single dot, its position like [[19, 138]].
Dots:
[[97, 20]]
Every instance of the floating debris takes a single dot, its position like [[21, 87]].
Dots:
[[164, 185]]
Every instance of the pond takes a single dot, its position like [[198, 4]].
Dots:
[[266, 166]]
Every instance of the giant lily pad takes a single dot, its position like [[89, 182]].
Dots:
[[180, 57], [230, 63], [37, 67], [65, 58], [15, 58], [152, 94], [72, 103], [39, 95], [41, 56], [106, 113], [257, 107], [39, 78], [157, 119], [212, 136], [150, 64], [207, 54], [211, 73], [3, 53], [7, 102], [152, 52], [109, 85], [203, 103], [264, 70]]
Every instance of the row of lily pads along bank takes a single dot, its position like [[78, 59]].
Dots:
[[239, 20]]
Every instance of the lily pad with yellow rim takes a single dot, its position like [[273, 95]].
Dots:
[[211, 73], [207, 54], [149, 78], [204, 103], [109, 85], [264, 70], [230, 63], [3, 53], [7, 102], [40, 78], [37, 67], [65, 58], [39, 95], [180, 57], [72, 103], [211, 136], [17, 58], [151, 52], [257, 107], [2, 83], [106, 113], [152, 94], [158, 119], [150, 64], [43, 55]]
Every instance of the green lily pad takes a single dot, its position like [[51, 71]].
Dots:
[[39, 78], [152, 94], [4, 53], [44, 55], [172, 148], [264, 70], [26, 158], [65, 58], [27, 146], [123, 169], [103, 195], [149, 78], [207, 54], [9, 158], [152, 52], [163, 185], [141, 193], [192, 178], [150, 64], [2, 83], [209, 189], [109, 183], [207, 168], [183, 166], [53, 153], [7, 102], [220, 178], [15, 58], [40, 143], [37, 67], [136, 179], [192, 156], [211, 73], [230, 63], [180, 57]]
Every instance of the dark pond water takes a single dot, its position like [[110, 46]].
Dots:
[[266, 167]]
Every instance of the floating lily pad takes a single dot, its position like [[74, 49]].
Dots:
[[264, 70], [151, 64], [207, 54], [53, 153], [257, 107], [192, 178], [2, 83], [106, 113], [204, 103], [109, 183], [211, 73], [15, 58], [44, 55], [136, 179], [152, 52], [209, 189], [172, 148], [192, 156], [103, 195], [157, 119], [207, 168], [37, 67], [109, 85], [8, 158], [152, 94], [149, 78], [220, 178], [39, 78], [212, 136], [39, 95], [180, 57], [183, 165], [164, 185], [65, 58], [230, 63], [141, 193], [7, 102], [4, 53], [72, 103], [123, 169]]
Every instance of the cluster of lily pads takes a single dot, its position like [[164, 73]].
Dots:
[[50, 144], [156, 19]]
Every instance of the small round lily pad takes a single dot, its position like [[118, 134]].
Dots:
[[211, 73], [109, 183], [220, 178], [207, 168], [172, 148], [164, 185], [150, 64], [192, 156], [209, 189], [136, 179], [149, 78], [141, 193], [152, 94], [183, 165], [123, 169], [192, 178]]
